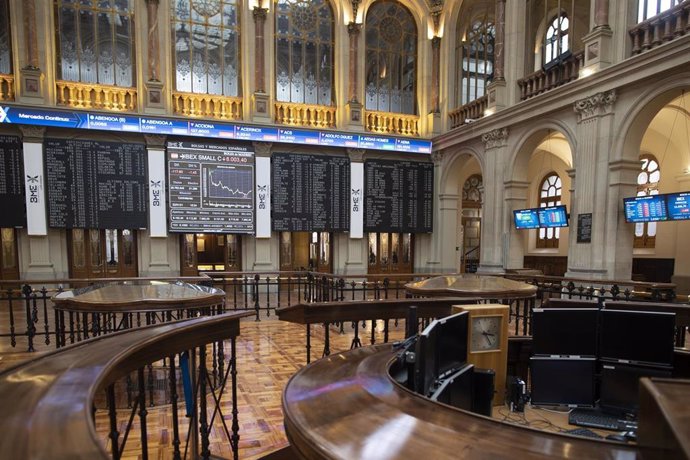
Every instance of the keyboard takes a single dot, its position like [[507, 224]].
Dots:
[[596, 419], [583, 432]]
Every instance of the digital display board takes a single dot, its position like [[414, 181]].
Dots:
[[398, 196], [12, 183], [553, 216], [678, 205], [211, 188], [184, 127], [526, 218], [96, 184], [650, 208], [310, 193]]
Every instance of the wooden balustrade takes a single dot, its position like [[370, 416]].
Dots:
[[546, 79], [316, 116], [663, 27], [6, 87], [93, 96], [392, 123], [207, 106], [469, 112]]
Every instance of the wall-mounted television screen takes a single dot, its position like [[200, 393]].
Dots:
[[678, 205], [650, 208], [553, 216], [526, 218]]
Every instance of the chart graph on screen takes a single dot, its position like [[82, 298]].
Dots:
[[235, 183]]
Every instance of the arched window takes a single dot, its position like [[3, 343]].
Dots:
[[304, 51], [5, 42], [648, 8], [206, 36], [391, 56], [476, 55], [549, 195], [95, 41], [472, 192], [556, 39], [647, 184]]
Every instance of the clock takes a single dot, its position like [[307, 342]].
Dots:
[[487, 341]]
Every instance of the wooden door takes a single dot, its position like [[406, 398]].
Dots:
[[390, 253], [233, 253], [306, 251], [9, 256], [95, 253], [188, 260]]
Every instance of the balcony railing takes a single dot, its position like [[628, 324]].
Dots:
[[91, 96], [316, 116], [470, 111], [546, 79], [661, 28], [392, 123], [6, 87], [207, 106]]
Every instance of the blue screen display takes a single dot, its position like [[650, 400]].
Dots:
[[650, 208], [526, 218], [553, 216], [678, 205]]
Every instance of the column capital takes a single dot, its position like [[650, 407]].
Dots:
[[436, 42], [153, 2], [259, 13], [32, 133], [594, 106], [354, 28], [155, 140], [495, 138], [437, 157], [356, 155], [262, 149]]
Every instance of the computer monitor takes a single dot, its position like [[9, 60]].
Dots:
[[678, 205], [648, 208], [426, 359], [565, 331], [526, 218], [456, 390], [452, 342], [562, 381], [637, 337], [553, 216], [620, 385]]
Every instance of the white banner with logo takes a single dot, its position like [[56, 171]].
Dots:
[[356, 200], [157, 204], [263, 197], [34, 183]]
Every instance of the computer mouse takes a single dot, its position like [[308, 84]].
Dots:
[[617, 437]]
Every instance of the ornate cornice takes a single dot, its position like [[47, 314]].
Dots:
[[594, 106], [32, 133], [262, 149], [496, 138], [155, 140], [356, 155]]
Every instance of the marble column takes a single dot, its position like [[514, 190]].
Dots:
[[259, 72], [598, 42], [601, 13], [437, 237], [516, 194], [435, 73], [354, 107], [29, 17], [153, 44], [499, 40]]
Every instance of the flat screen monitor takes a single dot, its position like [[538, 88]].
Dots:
[[678, 205], [456, 390], [620, 384], [562, 381], [648, 208], [642, 337], [452, 342], [565, 331], [553, 216], [426, 363], [526, 218]]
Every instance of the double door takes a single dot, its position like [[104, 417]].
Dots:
[[102, 253], [210, 252], [306, 251], [390, 253], [9, 254]]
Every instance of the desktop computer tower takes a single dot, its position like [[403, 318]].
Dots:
[[483, 391]]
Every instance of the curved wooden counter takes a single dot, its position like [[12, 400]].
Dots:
[[470, 285], [347, 406]]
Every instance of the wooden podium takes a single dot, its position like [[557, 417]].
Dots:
[[487, 342]]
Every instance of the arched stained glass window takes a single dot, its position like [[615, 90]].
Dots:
[[95, 41], [391, 56], [549, 195], [556, 40], [476, 55], [647, 184], [206, 41], [5, 42], [304, 51]]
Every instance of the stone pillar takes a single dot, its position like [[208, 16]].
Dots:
[[591, 189], [261, 101], [598, 43], [437, 237], [681, 269], [355, 259], [601, 13], [435, 73], [154, 86], [263, 259], [497, 97], [30, 75], [354, 107], [491, 258], [516, 194]]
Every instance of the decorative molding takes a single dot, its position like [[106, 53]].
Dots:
[[495, 138], [262, 149], [155, 140], [353, 28], [356, 155], [437, 157], [595, 106], [32, 133], [622, 165]]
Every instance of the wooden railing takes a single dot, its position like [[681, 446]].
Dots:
[[392, 123], [661, 28], [93, 96], [315, 116], [207, 106], [6, 87], [546, 79], [469, 112]]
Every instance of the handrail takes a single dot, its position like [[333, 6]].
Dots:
[[53, 394]]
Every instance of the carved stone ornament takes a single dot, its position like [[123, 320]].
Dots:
[[496, 138], [437, 157], [262, 149], [155, 140], [32, 133], [356, 155], [259, 13], [593, 106]]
